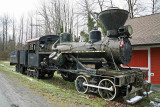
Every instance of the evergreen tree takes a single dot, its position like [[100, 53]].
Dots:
[[104, 31], [85, 36], [61, 28], [90, 23]]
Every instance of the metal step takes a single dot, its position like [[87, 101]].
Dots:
[[31, 70], [145, 93], [134, 99], [138, 98]]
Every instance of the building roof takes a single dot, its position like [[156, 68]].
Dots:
[[146, 29]]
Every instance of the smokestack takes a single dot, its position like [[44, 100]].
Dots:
[[112, 19]]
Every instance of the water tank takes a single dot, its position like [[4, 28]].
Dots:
[[94, 35], [65, 37]]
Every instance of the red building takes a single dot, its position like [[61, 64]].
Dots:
[[146, 45]]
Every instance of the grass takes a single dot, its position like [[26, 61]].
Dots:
[[55, 89], [63, 93]]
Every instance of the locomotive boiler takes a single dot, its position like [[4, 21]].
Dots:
[[95, 66]]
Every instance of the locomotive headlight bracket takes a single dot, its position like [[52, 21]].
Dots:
[[125, 30]]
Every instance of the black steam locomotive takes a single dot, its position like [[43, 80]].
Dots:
[[95, 66]]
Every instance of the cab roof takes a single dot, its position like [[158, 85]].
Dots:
[[42, 38]]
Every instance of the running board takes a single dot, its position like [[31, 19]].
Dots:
[[138, 98]]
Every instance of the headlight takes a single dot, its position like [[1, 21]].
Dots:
[[125, 30], [129, 30]]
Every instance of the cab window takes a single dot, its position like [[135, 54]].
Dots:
[[42, 46], [32, 47]]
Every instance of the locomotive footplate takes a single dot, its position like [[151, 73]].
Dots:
[[124, 76]]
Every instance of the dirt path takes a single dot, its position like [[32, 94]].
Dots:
[[12, 92]]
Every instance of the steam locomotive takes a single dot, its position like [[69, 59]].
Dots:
[[95, 66]]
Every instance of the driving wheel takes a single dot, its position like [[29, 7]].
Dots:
[[37, 73], [109, 94], [80, 80]]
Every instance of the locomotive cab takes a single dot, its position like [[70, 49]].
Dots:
[[39, 50]]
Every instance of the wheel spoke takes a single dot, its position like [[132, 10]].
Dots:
[[102, 84], [108, 96], [110, 93], [79, 84], [106, 84], [104, 93]]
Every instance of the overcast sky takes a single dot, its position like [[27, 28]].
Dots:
[[22, 7], [17, 7]]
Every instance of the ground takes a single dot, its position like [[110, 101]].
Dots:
[[13, 93], [24, 91]]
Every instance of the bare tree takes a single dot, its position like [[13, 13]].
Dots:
[[155, 6], [43, 12], [5, 26], [31, 27], [3, 30], [86, 8], [13, 32], [36, 25], [6, 23], [27, 27], [56, 16], [101, 4], [135, 7], [104, 4], [22, 29], [20, 32]]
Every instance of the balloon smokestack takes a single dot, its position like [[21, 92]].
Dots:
[[112, 19]]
